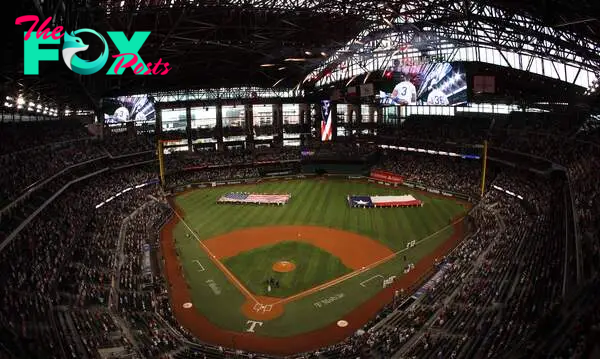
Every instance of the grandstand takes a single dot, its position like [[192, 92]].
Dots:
[[477, 123]]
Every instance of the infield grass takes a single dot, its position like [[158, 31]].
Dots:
[[314, 266]]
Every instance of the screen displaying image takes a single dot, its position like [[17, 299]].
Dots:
[[326, 121], [433, 84], [122, 109]]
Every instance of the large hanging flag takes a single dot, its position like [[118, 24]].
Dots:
[[326, 121]]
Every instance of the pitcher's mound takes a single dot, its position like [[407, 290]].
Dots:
[[283, 266]]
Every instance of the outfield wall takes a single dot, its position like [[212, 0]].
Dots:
[[418, 186]]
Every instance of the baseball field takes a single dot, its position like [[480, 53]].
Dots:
[[288, 278]]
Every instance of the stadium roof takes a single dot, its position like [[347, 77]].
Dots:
[[266, 42]]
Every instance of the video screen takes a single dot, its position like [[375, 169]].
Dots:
[[433, 84], [123, 109], [326, 121]]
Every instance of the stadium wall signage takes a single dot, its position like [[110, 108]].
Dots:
[[127, 58], [386, 176]]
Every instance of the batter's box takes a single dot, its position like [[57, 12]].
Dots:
[[262, 308]]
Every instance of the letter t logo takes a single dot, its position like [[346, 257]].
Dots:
[[33, 54], [253, 324]]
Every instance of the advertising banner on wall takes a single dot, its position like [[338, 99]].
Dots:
[[386, 176]]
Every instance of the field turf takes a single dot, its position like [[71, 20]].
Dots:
[[314, 203], [314, 266], [320, 203]]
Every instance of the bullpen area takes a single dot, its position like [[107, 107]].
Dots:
[[305, 272]]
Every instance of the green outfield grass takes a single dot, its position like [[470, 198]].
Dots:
[[320, 203], [313, 202], [313, 267]]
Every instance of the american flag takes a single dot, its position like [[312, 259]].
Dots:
[[242, 197], [326, 122]]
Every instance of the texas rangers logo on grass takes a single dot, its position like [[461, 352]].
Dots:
[[73, 44]]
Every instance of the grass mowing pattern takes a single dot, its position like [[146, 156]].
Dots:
[[321, 203], [314, 202], [313, 267]]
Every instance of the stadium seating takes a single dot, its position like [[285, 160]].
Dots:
[[73, 281]]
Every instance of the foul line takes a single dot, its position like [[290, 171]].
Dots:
[[368, 280], [362, 270], [221, 266]]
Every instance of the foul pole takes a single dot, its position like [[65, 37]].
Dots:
[[484, 166], [161, 162]]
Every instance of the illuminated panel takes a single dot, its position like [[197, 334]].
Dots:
[[326, 121], [173, 120], [262, 119], [433, 84], [234, 122], [204, 117]]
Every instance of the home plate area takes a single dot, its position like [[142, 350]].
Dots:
[[262, 308]]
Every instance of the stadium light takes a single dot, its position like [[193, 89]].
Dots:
[[8, 98], [267, 65], [307, 53], [20, 107], [31, 104], [20, 101], [7, 104]]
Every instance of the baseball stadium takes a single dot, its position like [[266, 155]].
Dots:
[[185, 179]]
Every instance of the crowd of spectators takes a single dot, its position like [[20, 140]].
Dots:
[[212, 175], [57, 270], [435, 171], [34, 152], [580, 158], [76, 283], [20, 136]]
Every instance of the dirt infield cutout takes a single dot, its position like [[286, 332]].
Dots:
[[354, 250], [283, 266]]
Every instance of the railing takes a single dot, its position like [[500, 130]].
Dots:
[[23, 224], [44, 205], [36, 186]]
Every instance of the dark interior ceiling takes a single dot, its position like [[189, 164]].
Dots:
[[224, 47], [216, 44]]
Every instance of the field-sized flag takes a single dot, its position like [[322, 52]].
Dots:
[[383, 201], [395, 201], [239, 197]]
